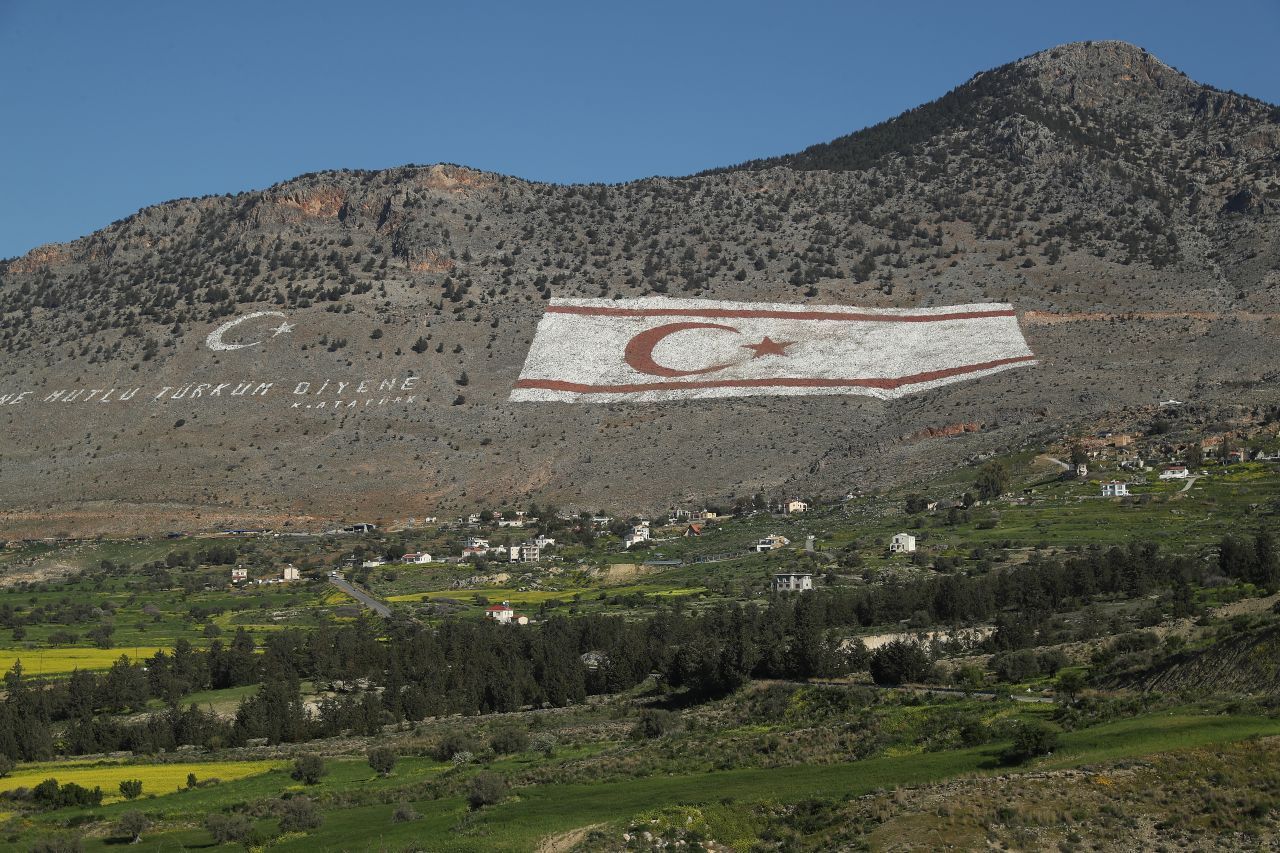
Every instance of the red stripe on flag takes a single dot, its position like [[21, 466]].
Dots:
[[778, 382], [604, 311]]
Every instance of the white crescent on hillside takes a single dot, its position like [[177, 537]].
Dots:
[[214, 340]]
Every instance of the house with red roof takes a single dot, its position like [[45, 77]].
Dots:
[[504, 614]]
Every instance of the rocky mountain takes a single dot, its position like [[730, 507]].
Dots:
[[1129, 213]]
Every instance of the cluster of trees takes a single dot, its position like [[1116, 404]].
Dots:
[[1254, 559], [469, 666]]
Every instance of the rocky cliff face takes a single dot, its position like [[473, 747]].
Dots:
[[1128, 212]]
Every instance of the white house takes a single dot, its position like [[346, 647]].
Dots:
[[1115, 489], [500, 612], [1174, 472], [239, 573], [638, 534], [511, 522], [772, 542], [418, 557], [795, 506], [544, 541], [372, 564], [475, 546], [290, 573], [902, 543], [504, 614], [792, 582]]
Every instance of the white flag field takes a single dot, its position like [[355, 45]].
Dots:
[[655, 348]]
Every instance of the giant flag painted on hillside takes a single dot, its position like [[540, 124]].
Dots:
[[655, 349]]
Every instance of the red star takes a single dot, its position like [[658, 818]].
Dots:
[[768, 346]]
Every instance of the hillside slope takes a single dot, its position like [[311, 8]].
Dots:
[[1245, 664], [1126, 211]]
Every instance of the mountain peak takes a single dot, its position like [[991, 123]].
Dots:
[[1090, 73], [1091, 91]]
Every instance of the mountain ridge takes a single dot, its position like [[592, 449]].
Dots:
[[1148, 228]]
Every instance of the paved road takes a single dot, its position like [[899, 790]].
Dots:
[[1191, 481], [379, 607]]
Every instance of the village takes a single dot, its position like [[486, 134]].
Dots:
[[517, 566]]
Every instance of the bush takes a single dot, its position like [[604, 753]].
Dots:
[[974, 733], [50, 795], [654, 723], [1021, 665], [545, 743], [59, 843], [1032, 739], [131, 826], [229, 828], [308, 768], [900, 661], [486, 789], [1052, 660], [1070, 683], [453, 743], [130, 789], [6, 765], [299, 814], [404, 813], [382, 759], [509, 740]]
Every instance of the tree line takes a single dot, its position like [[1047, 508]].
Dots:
[[385, 672]]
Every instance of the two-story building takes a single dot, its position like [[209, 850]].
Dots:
[[792, 582], [902, 543], [638, 534]]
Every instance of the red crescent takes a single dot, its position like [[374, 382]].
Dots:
[[639, 352]]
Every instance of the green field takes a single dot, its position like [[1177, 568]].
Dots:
[[534, 813]]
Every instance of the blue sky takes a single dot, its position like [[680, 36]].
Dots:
[[109, 107]]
